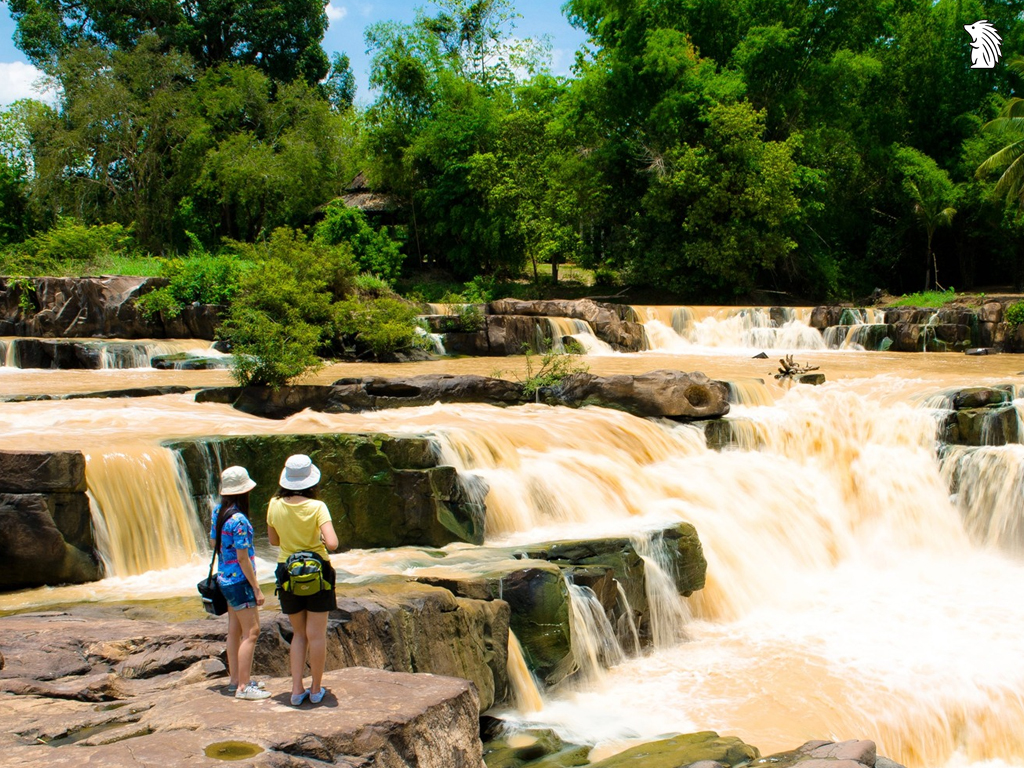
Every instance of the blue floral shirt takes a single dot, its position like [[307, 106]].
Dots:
[[237, 534]]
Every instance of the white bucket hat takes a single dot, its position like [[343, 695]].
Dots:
[[235, 480], [299, 473]]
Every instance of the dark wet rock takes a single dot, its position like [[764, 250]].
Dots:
[[382, 491], [377, 392], [280, 403], [183, 361], [982, 426], [980, 397], [734, 432], [78, 307], [977, 351], [42, 471], [512, 335], [369, 717], [814, 379], [684, 750], [760, 356], [156, 391], [664, 393], [66, 355]]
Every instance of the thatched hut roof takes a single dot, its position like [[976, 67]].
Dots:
[[359, 195]]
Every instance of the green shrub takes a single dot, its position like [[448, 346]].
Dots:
[[268, 352], [373, 250], [1014, 314], [377, 326], [200, 277], [605, 277], [283, 317], [69, 248], [368, 284], [932, 299]]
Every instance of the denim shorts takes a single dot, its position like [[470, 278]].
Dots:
[[239, 595]]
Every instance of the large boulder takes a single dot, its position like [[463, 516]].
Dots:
[[664, 393], [382, 491], [373, 393], [33, 551]]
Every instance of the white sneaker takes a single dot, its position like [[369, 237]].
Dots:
[[252, 692]]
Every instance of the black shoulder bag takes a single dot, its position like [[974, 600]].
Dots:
[[213, 599]]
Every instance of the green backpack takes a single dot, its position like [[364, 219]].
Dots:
[[305, 575]]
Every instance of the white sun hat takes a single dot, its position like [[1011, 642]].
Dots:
[[299, 473], [235, 480]]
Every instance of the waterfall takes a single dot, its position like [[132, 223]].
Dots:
[[626, 617], [142, 514], [121, 356], [11, 356], [580, 330], [526, 695], [436, 340], [595, 645], [988, 485], [667, 611], [681, 328]]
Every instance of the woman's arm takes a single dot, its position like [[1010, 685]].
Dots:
[[275, 540], [328, 536], [250, 574]]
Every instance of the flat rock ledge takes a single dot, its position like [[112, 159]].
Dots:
[[664, 394], [369, 717]]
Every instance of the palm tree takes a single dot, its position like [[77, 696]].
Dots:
[[929, 211], [1011, 125]]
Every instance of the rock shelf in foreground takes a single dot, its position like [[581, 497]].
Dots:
[[369, 717]]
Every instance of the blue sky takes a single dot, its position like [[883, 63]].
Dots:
[[348, 20]]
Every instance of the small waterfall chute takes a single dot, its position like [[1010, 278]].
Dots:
[[525, 693], [595, 646]]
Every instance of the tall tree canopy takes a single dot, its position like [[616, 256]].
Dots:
[[280, 37]]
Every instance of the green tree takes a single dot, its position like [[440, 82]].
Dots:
[[280, 37], [930, 191], [374, 250]]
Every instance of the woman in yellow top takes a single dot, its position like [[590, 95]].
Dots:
[[297, 521]]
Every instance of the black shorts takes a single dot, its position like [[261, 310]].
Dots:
[[323, 601]]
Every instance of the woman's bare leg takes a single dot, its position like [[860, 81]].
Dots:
[[297, 654], [316, 637]]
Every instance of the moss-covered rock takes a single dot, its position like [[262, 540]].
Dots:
[[683, 750], [382, 491]]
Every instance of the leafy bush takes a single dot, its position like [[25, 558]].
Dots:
[[1014, 314], [374, 250], [200, 277], [268, 353], [369, 284], [554, 368], [68, 248], [283, 316], [377, 326]]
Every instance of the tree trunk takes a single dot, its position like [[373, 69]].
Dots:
[[554, 270], [928, 263]]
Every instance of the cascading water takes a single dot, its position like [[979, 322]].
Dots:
[[526, 695], [669, 614], [989, 491], [580, 330], [142, 515], [595, 645], [678, 329], [859, 329]]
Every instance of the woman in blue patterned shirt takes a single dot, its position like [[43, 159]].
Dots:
[[236, 575]]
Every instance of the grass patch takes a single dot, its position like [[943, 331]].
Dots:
[[933, 299]]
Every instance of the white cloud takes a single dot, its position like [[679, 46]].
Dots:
[[335, 12], [19, 80]]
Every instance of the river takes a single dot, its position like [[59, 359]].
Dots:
[[846, 596]]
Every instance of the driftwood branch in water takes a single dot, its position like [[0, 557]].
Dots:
[[790, 368]]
